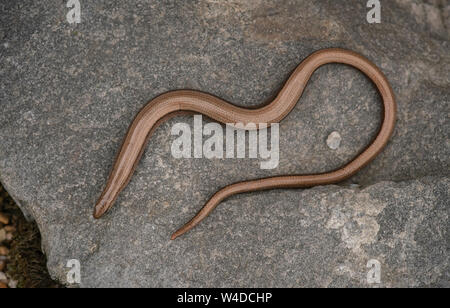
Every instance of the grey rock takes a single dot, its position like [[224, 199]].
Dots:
[[68, 93]]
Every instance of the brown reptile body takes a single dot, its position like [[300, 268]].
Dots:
[[172, 103]]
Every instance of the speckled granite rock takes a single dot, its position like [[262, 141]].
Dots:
[[69, 92]]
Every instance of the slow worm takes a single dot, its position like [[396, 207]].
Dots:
[[172, 103]]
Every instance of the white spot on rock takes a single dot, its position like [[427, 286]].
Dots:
[[29, 116], [334, 140]]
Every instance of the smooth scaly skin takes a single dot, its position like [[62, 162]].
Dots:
[[172, 103]]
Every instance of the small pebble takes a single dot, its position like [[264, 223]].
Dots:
[[334, 140], [3, 285], [3, 277], [10, 228], [4, 251], [4, 219], [2, 235], [9, 236], [12, 284], [2, 265]]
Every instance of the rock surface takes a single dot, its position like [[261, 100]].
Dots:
[[68, 93]]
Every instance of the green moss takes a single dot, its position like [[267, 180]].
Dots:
[[27, 263]]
